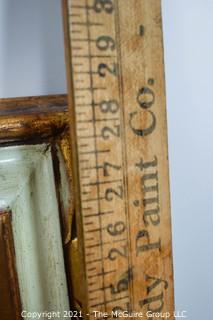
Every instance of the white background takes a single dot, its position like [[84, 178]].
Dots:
[[32, 63]]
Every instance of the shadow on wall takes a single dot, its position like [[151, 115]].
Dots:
[[32, 49]]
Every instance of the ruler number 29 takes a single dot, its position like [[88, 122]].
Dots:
[[103, 69], [104, 43]]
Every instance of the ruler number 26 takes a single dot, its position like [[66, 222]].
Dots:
[[114, 253], [115, 230]]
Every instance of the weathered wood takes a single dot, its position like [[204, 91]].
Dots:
[[34, 104], [29, 118], [116, 89], [10, 303]]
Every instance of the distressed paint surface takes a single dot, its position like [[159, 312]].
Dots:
[[27, 187]]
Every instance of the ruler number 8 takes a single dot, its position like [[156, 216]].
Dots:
[[109, 106], [105, 5]]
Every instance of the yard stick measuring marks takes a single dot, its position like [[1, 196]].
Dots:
[[118, 123]]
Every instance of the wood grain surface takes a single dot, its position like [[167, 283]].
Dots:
[[32, 118], [10, 303], [115, 72]]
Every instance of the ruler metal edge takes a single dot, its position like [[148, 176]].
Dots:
[[137, 24]]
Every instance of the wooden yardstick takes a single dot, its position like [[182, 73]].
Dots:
[[114, 56]]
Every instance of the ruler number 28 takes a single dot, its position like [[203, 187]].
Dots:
[[111, 106], [103, 5], [104, 43]]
